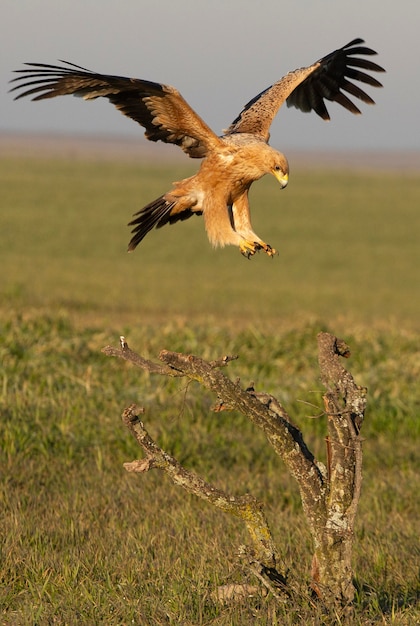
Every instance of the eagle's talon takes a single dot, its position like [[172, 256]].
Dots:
[[249, 248], [270, 251], [247, 253]]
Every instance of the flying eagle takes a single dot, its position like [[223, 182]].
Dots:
[[231, 162]]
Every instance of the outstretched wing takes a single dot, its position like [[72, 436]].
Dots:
[[160, 109], [308, 87]]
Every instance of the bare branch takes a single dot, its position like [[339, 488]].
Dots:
[[345, 404], [335, 377], [268, 415], [245, 507], [128, 355]]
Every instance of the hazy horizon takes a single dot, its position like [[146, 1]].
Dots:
[[218, 56]]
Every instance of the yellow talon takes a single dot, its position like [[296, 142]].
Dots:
[[249, 248]]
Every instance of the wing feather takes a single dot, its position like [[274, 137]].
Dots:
[[159, 108], [307, 88]]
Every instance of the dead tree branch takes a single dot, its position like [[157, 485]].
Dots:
[[345, 404], [245, 507], [329, 499]]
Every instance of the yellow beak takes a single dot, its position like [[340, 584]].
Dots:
[[282, 178]]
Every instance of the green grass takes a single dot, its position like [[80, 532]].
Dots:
[[85, 542], [348, 246]]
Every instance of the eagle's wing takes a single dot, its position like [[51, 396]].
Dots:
[[307, 87], [160, 109]]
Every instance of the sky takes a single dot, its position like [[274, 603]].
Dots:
[[219, 54]]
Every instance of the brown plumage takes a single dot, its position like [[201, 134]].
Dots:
[[232, 162]]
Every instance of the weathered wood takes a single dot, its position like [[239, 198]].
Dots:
[[329, 497], [345, 404], [245, 507]]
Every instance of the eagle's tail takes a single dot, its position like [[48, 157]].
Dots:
[[155, 215]]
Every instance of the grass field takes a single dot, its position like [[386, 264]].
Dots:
[[86, 543]]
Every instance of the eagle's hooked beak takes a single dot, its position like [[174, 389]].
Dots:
[[281, 177]]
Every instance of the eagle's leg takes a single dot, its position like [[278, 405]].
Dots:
[[241, 222], [229, 224]]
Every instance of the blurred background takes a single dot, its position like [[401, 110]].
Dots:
[[219, 55], [348, 244]]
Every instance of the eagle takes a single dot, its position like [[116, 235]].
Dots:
[[230, 162]]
